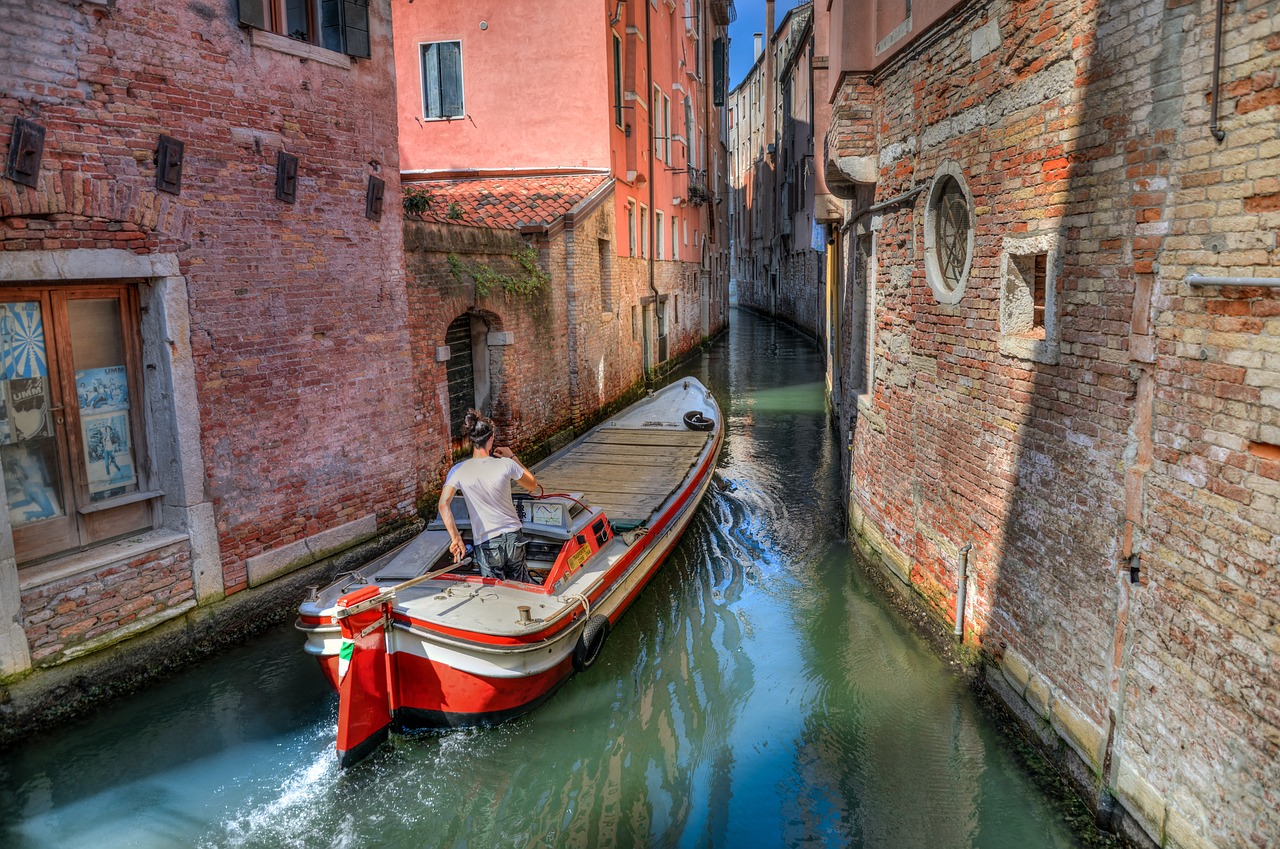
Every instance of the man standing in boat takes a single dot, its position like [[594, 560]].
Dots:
[[485, 481]]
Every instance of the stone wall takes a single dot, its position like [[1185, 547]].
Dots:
[[286, 321], [572, 350], [1116, 469]]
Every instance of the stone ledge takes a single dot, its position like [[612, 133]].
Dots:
[[272, 564], [101, 557]]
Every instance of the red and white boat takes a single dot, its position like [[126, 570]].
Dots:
[[411, 641]]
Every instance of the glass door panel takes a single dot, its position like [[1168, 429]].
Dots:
[[102, 393], [31, 451]]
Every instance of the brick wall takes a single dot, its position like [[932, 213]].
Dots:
[[529, 377], [570, 355], [66, 614], [297, 310], [1141, 423]]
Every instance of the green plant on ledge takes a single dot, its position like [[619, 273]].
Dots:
[[529, 281], [416, 201]]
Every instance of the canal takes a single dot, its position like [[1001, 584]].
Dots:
[[758, 694]]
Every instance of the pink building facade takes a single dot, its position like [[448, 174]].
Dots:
[[623, 90]]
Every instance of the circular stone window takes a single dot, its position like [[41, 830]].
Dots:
[[948, 235]]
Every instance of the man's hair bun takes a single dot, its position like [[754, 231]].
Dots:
[[477, 427]]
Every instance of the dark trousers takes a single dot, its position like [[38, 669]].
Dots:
[[504, 557]]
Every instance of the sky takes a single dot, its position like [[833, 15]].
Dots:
[[750, 20]]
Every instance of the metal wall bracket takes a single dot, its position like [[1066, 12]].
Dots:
[[25, 148], [169, 154], [373, 198], [286, 177]]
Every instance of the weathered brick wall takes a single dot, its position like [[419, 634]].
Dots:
[[802, 290], [63, 615], [529, 378], [1145, 423], [544, 382], [297, 310]]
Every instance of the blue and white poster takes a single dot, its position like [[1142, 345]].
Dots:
[[102, 389], [108, 452], [22, 351]]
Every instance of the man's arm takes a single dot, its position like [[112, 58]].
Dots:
[[456, 545], [527, 479]]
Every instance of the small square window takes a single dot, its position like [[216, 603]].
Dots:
[[1029, 298]]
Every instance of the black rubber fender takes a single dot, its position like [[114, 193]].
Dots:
[[695, 420], [590, 641]]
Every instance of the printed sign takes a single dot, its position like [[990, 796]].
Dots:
[[29, 482], [22, 351], [102, 389], [108, 452]]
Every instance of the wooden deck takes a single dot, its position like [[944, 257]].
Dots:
[[627, 473]]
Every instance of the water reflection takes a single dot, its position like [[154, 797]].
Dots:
[[757, 694]]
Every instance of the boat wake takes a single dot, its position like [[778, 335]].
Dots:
[[293, 806]]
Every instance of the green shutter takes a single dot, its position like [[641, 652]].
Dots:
[[253, 13], [450, 54], [355, 27]]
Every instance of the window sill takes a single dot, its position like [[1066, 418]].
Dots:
[[99, 557], [119, 501], [301, 49], [1029, 347]]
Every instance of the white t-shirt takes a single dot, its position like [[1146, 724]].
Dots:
[[485, 483]]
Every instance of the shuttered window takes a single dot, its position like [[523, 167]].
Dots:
[[442, 80], [338, 25]]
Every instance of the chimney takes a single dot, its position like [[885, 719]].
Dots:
[[759, 39]]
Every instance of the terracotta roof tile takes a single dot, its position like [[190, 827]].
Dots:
[[504, 203]]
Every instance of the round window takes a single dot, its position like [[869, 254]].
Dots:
[[948, 238]]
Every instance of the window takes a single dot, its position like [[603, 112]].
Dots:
[[71, 431], [659, 133], [948, 235], [339, 25], [606, 275], [442, 80], [666, 129], [617, 80], [675, 237], [689, 128], [644, 231], [1029, 298], [631, 227], [659, 235]]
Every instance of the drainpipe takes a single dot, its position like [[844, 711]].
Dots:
[[1214, 129], [962, 580]]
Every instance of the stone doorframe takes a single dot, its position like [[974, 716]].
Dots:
[[173, 432]]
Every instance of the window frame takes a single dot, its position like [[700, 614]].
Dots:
[[423, 48], [617, 81], [87, 523], [353, 23], [946, 290]]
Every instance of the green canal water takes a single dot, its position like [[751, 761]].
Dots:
[[759, 693]]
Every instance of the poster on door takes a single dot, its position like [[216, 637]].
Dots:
[[108, 452], [27, 402], [22, 350], [30, 482], [102, 389]]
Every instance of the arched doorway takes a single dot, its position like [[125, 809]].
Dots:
[[468, 369]]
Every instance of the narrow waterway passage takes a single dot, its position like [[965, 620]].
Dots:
[[758, 694]]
